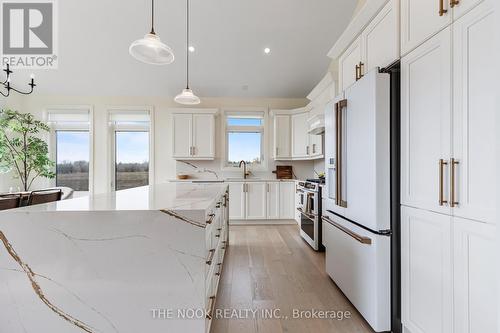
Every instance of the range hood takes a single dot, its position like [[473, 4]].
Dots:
[[316, 124]]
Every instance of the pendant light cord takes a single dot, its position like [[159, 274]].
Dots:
[[153, 17], [187, 42]]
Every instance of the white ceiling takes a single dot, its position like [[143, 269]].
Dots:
[[229, 37]]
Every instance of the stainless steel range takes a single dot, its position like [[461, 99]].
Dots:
[[310, 211]]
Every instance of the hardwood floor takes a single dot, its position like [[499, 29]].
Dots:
[[271, 267]]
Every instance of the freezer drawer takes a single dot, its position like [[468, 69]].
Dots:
[[358, 261]]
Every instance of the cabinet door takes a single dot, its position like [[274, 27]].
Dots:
[[464, 6], [426, 274], [182, 132], [300, 138], [315, 145], [236, 201], [330, 137], [203, 135], [381, 38], [287, 200], [474, 110], [420, 20], [347, 64], [256, 199], [426, 122], [282, 137], [273, 200], [475, 280]]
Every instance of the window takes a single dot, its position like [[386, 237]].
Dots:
[[72, 159], [131, 148], [244, 138], [132, 159], [71, 147]]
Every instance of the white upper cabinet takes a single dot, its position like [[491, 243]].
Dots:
[[193, 135], [282, 137], [426, 124], [182, 129], [349, 64], [315, 145], [203, 136], [380, 39], [474, 277], [300, 137], [474, 111], [426, 271], [421, 19]]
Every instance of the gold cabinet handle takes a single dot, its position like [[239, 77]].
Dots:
[[359, 238], [453, 201], [454, 3], [442, 201], [210, 257], [357, 72], [361, 65], [442, 11], [211, 304], [338, 153]]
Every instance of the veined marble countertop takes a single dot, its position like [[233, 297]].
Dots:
[[105, 263], [175, 196]]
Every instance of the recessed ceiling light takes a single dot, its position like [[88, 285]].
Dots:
[[191, 49], [267, 50]]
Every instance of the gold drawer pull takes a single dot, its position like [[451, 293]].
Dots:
[[359, 238], [210, 218], [210, 257], [454, 3], [442, 11], [220, 269], [442, 201], [211, 304], [453, 201]]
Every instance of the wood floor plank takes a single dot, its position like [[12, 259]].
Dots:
[[270, 270]]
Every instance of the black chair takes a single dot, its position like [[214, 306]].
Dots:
[[44, 196], [9, 201]]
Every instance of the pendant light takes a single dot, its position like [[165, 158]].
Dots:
[[187, 97], [150, 49]]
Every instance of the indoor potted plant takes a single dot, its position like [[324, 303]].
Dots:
[[22, 150]]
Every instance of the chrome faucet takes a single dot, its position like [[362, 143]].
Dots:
[[245, 173]]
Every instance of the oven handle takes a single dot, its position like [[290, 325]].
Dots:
[[310, 216], [359, 238]]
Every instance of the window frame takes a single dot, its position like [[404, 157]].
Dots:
[[81, 127], [263, 129], [113, 128]]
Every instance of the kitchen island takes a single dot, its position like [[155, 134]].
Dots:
[[145, 260]]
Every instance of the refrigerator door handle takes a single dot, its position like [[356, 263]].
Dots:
[[359, 238], [340, 105]]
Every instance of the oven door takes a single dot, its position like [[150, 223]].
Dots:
[[309, 229]]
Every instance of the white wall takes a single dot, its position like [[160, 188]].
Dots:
[[165, 167]]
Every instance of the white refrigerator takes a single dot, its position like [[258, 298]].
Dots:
[[357, 221]]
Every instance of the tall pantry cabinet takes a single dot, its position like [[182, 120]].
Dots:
[[448, 168]]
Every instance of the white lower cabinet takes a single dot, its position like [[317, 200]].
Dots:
[[236, 201], [448, 276], [262, 200], [273, 201], [474, 277], [426, 271], [256, 194], [287, 200]]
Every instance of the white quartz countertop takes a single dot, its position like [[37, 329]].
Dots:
[[230, 180], [167, 196]]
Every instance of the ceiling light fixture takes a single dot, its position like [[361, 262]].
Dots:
[[191, 49], [7, 84], [267, 50], [187, 97], [150, 49]]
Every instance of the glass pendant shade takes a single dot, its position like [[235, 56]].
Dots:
[[151, 50], [187, 97]]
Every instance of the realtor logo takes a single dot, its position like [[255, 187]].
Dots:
[[29, 33]]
